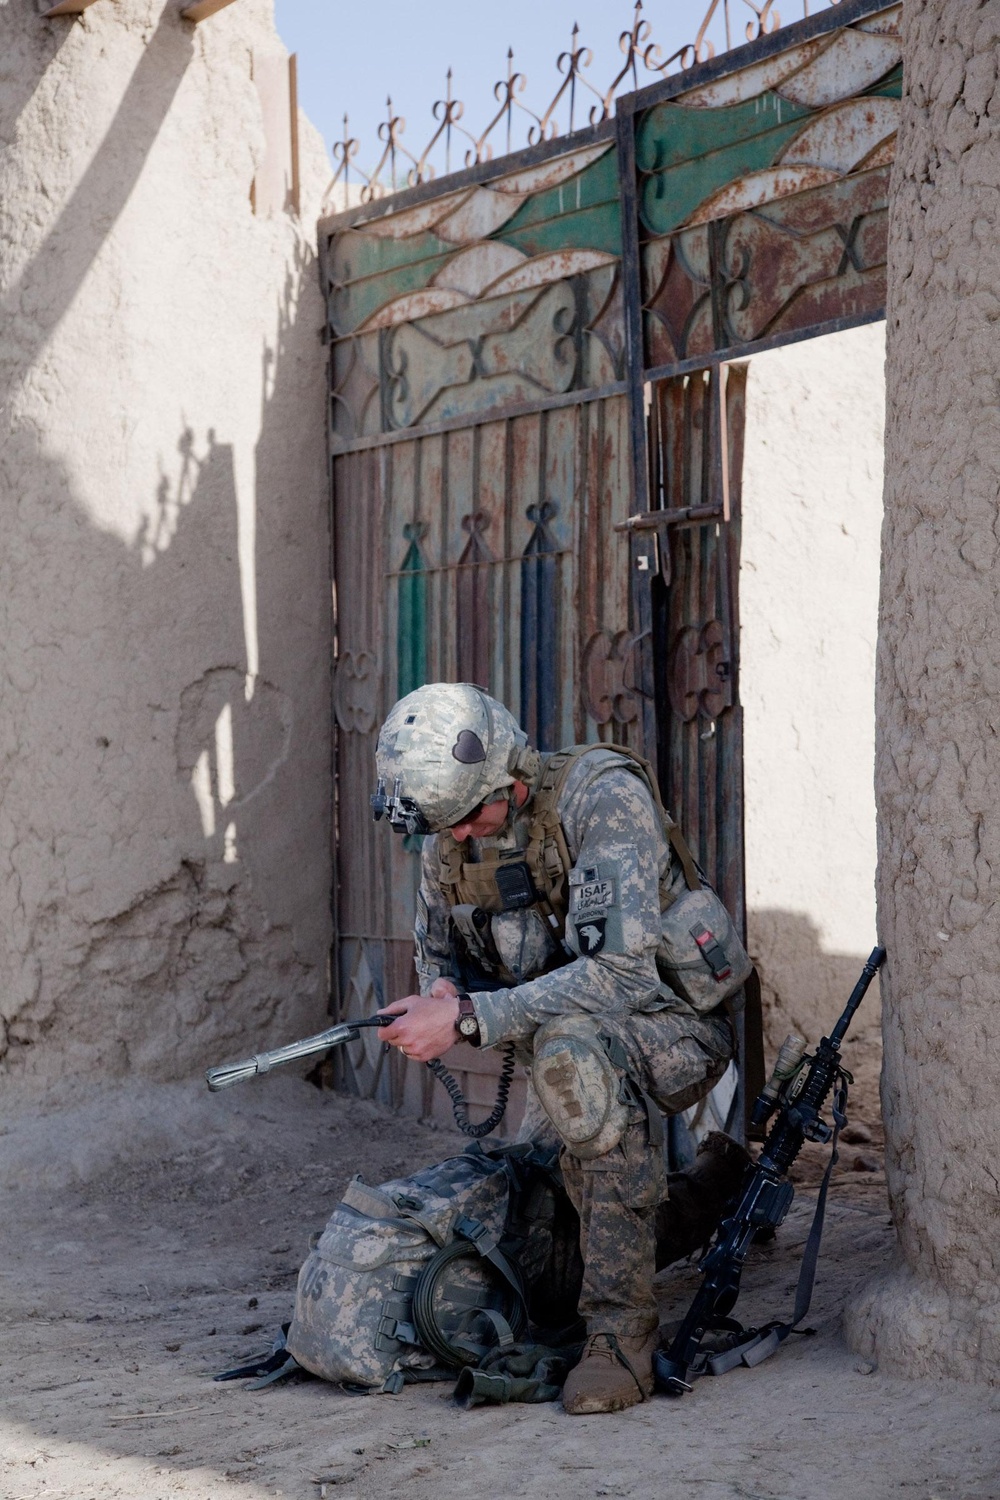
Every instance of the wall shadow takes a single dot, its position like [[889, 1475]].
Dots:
[[28, 44], [804, 986], [56, 271], [139, 936]]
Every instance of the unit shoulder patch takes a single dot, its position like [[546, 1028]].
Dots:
[[591, 935]]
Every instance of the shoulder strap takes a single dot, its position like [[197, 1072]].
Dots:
[[547, 854], [677, 840], [449, 861]]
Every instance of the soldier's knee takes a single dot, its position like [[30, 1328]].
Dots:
[[578, 1086]]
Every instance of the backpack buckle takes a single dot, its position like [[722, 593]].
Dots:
[[712, 952]]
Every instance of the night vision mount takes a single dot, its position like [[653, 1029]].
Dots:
[[403, 812]]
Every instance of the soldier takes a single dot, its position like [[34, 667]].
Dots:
[[503, 956]]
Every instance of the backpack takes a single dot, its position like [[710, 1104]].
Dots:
[[417, 1277]]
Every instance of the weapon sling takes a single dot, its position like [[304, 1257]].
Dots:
[[757, 1344], [764, 1200]]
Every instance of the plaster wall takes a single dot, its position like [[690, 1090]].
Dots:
[[937, 696], [164, 595], [812, 514]]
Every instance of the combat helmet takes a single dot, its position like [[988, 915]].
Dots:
[[444, 749]]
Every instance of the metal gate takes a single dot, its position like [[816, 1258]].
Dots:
[[536, 430]]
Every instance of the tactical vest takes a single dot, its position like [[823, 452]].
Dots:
[[700, 955], [512, 879]]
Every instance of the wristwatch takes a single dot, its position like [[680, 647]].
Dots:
[[468, 1025]]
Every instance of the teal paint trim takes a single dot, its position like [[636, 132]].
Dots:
[[350, 305], [668, 198], [411, 626], [597, 228], [671, 135], [684, 155], [581, 214], [595, 185], [891, 86], [358, 255]]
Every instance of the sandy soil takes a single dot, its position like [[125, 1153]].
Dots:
[[153, 1238]]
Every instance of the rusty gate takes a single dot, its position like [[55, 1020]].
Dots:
[[537, 393]]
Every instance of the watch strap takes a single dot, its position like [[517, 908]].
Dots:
[[466, 1009]]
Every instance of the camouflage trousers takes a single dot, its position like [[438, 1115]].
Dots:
[[675, 1059]]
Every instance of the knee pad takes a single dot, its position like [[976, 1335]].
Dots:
[[578, 1087]]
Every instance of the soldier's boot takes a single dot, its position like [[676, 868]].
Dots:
[[688, 1218], [614, 1373]]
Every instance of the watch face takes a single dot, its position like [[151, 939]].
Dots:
[[468, 1025]]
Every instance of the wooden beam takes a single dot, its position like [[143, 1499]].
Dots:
[[201, 9], [67, 8]]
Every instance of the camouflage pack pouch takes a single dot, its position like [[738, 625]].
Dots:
[[700, 955], [354, 1314]]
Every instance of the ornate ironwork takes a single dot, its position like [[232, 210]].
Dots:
[[639, 50], [474, 612]]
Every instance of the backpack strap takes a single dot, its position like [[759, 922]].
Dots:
[[672, 830], [449, 871], [376, 1204], [547, 855]]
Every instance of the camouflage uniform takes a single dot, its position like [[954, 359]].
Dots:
[[609, 977]]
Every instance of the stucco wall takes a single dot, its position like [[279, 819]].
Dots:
[[938, 688], [812, 514], [164, 597]]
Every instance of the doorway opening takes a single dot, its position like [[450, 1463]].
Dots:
[[809, 579]]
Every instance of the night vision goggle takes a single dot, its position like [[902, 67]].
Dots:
[[403, 812]]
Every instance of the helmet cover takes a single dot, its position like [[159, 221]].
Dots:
[[443, 749]]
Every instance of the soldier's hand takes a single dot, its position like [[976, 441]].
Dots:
[[426, 1025]]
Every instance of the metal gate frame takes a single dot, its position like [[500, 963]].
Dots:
[[747, 209]]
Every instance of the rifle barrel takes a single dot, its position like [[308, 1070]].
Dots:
[[875, 961]]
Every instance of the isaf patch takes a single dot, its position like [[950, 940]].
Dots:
[[592, 892], [591, 935]]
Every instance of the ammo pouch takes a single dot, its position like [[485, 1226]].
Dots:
[[700, 955], [408, 1280]]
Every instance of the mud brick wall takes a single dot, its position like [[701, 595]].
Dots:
[[164, 596]]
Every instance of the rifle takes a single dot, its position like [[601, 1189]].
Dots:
[[797, 1090]]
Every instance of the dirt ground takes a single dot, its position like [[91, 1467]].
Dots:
[[152, 1237]]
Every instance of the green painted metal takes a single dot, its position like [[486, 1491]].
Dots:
[[368, 270], [504, 437], [360, 254], [670, 194], [596, 187], [683, 155], [522, 346], [351, 303], [596, 228], [411, 620]]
